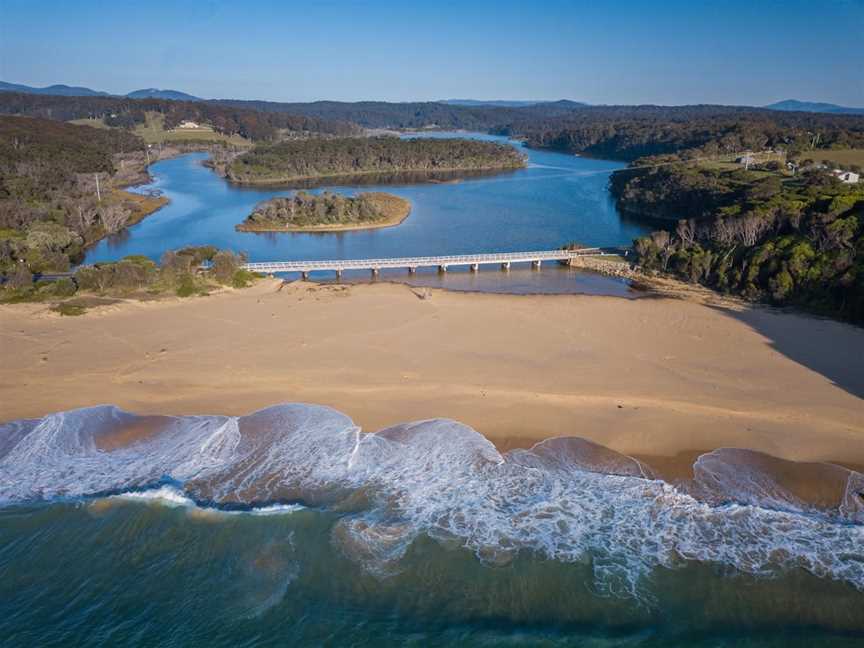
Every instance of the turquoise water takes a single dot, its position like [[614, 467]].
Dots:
[[558, 199], [292, 527]]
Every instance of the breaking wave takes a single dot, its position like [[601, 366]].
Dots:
[[566, 499]]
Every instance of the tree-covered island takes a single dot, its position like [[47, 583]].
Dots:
[[324, 158], [326, 212]]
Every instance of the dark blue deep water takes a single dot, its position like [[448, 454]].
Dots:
[[556, 200]]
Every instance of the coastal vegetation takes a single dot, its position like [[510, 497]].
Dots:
[[295, 160], [60, 190], [326, 211], [184, 273], [762, 233]]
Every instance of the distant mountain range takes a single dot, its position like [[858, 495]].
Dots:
[[156, 93], [77, 91], [62, 90], [793, 105]]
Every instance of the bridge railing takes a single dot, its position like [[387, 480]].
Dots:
[[412, 262]]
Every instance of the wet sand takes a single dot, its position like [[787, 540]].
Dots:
[[655, 378]]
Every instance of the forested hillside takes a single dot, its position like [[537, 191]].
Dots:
[[760, 234], [616, 132], [49, 205], [382, 114], [631, 132], [318, 158], [125, 112]]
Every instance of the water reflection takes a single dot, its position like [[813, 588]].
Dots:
[[559, 198]]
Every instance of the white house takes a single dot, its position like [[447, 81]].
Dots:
[[846, 177], [746, 159], [188, 124]]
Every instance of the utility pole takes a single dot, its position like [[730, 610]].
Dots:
[[147, 151], [98, 192]]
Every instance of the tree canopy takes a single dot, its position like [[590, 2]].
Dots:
[[324, 157]]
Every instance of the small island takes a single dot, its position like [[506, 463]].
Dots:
[[313, 159], [326, 212]]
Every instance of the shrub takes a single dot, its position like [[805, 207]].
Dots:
[[199, 254], [65, 288], [225, 266], [69, 309], [243, 278], [20, 277], [186, 286]]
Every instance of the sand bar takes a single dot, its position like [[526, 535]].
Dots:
[[652, 377]]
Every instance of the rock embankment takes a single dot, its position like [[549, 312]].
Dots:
[[613, 266]]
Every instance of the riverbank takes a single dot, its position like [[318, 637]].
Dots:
[[655, 377]]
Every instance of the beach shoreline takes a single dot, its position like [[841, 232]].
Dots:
[[652, 377]]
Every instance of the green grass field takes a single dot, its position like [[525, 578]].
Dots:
[[153, 132], [94, 123], [840, 156]]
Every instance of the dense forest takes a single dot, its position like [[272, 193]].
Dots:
[[125, 112], [50, 207], [316, 158], [760, 234], [305, 210], [631, 132], [615, 132], [408, 115]]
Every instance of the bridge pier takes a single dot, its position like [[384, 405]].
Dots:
[[413, 264]]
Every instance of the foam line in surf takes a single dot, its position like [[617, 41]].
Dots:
[[566, 499]]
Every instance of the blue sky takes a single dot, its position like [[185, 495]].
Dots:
[[734, 52]]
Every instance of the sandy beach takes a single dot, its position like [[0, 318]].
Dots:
[[659, 378]]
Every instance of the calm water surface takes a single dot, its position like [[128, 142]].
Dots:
[[558, 199]]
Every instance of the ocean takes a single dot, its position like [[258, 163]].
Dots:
[[291, 526]]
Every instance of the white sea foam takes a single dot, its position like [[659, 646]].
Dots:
[[443, 479], [175, 498], [165, 495]]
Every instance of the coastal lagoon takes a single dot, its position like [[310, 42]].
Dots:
[[556, 200], [292, 526]]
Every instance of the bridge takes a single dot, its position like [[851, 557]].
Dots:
[[473, 261]]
